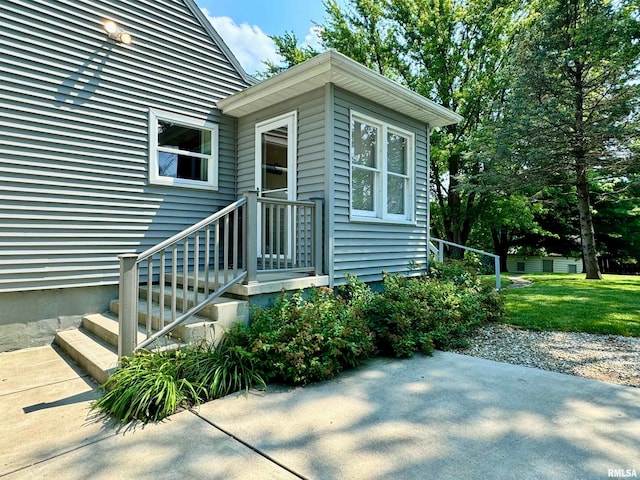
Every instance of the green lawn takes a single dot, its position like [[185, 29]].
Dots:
[[571, 303]]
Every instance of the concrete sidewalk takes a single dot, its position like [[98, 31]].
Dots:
[[446, 416], [49, 432]]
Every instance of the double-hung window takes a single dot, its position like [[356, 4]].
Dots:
[[183, 151], [382, 170]]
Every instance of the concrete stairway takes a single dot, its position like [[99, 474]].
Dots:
[[94, 345]]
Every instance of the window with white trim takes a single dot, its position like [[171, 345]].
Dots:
[[183, 151], [382, 170]]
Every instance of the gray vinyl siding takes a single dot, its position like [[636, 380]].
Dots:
[[74, 189], [367, 248], [311, 144]]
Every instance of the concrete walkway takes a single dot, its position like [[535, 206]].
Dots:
[[440, 417]]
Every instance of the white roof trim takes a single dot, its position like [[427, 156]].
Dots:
[[336, 68]]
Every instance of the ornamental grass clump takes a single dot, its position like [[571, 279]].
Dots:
[[147, 387], [152, 385]]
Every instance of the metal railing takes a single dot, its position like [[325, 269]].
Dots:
[[438, 253], [252, 235], [289, 238], [211, 246]]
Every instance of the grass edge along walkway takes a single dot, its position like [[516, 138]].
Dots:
[[568, 302]]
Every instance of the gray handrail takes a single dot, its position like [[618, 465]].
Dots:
[[440, 253], [191, 312], [192, 229], [225, 251]]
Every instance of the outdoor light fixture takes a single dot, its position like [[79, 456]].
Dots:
[[116, 33]]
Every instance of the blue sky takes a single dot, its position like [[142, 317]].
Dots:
[[246, 24]]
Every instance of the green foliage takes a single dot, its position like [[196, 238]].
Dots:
[[287, 47], [450, 51], [355, 292], [435, 311], [151, 385], [300, 340], [572, 112], [568, 302], [617, 221], [147, 387], [221, 369], [304, 338]]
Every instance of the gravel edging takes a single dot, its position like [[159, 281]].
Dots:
[[609, 358]]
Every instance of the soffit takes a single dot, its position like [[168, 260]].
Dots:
[[333, 67]]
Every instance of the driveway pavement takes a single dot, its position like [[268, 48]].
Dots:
[[440, 417]]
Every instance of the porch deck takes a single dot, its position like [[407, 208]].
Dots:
[[274, 282]]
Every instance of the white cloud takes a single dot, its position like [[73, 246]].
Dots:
[[312, 39], [249, 43]]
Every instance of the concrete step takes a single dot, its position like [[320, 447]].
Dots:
[[105, 327], [94, 346], [194, 329], [95, 356], [225, 310]]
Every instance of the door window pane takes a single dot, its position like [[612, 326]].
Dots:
[[274, 163]]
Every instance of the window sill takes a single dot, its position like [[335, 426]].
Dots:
[[382, 221], [180, 183]]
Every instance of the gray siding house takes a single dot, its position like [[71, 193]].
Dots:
[[123, 123]]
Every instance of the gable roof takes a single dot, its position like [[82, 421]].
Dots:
[[206, 24], [336, 68]]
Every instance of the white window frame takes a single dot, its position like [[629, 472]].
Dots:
[[381, 174], [212, 159]]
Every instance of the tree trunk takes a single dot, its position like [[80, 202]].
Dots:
[[501, 247], [587, 233]]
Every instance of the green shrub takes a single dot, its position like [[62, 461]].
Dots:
[[303, 339], [436, 311], [355, 292], [459, 272], [300, 340]]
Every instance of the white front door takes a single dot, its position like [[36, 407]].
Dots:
[[276, 154]]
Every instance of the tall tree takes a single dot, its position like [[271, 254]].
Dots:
[[450, 51], [617, 221], [505, 223], [573, 107], [288, 47]]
